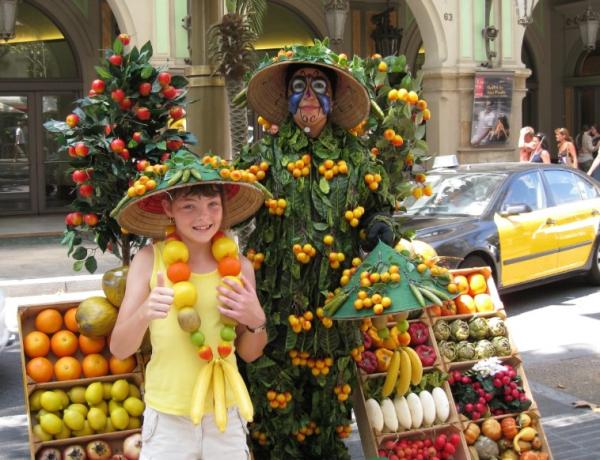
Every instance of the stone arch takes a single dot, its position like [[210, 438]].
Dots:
[[432, 31], [123, 16], [412, 43], [310, 12]]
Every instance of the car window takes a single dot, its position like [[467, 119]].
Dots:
[[526, 189], [586, 188], [466, 194], [565, 186]]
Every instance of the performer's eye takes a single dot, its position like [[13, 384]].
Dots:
[[319, 85], [298, 85]]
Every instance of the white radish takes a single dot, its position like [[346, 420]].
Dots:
[[416, 410], [442, 405], [374, 415], [428, 406], [402, 412], [390, 419]]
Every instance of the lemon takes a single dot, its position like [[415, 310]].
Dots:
[[184, 294], [175, 251]]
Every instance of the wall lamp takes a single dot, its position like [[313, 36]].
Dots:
[[489, 33], [8, 19]]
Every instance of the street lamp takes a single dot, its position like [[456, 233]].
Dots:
[[336, 12], [588, 24], [524, 12], [387, 37], [489, 33], [8, 19]]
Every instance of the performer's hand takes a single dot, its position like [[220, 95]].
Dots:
[[376, 231], [159, 301], [273, 129], [241, 303]]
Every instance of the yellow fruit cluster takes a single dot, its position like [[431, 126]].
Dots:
[[257, 258], [264, 123], [343, 431], [305, 431], [403, 95], [260, 437], [367, 279], [238, 175], [346, 275], [305, 253], [301, 323], [375, 301], [335, 259], [278, 400], [215, 161], [342, 391], [421, 190], [325, 320], [301, 167], [356, 353], [353, 216], [317, 366], [329, 169], [372, 181], [260, 170], [140, 186], [395, 139], [276, 206]]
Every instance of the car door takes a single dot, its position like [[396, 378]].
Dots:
[[576, 216], [528, 246]]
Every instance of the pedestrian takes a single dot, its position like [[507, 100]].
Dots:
[[540, 151], [586, 151], [525, 146], [594, 170], [20, 141], [195, 212], [567, 154]]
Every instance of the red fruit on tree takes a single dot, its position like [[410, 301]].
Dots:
[[98, 86], [74, 219], [72, 120], [169, 92], [143, 113], [137, 136], [71, 151], [145, 89], [91, 219], [177, 112], [81, 150], [79, 176], [86, 190], [164, 78], [117, 95], [117, 145], [116, 60], [141, 165], [165, 156], [92, 93], [125, 104], [125, 39], [124, 154], [174, 144]]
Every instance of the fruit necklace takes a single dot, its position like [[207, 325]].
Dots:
[[218, 371]]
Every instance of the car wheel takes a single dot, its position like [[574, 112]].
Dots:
[[594, 273], [478, 261]]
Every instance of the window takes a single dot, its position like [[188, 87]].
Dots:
[[565, 186], [526, 189]]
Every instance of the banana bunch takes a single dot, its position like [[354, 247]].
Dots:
[[405, 369], [220, 376]]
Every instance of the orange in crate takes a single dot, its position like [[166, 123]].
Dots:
[[121, 366], [67, 368], [63, 343], [95, 365], [49, 321], [70, 321], [40, 369], [36, 344], [89, 345]]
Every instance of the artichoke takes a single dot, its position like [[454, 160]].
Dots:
[[497, 327], [447, 350], [484, 349], [478, 328], [502, 346], [465, 351], [459, 330], [441, 330]]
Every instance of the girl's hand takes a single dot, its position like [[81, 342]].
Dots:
[[240, 302], [159, 301]]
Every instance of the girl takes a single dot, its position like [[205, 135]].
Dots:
[[567, 154], [540, 152], [525, 147], [198, 212]]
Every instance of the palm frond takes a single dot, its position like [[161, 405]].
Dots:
[[253, 11]]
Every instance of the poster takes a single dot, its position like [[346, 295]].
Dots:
[[492, 101]]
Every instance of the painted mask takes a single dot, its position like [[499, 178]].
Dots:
[[309, 99]]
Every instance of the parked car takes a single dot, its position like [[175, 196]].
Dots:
[[531, 223]]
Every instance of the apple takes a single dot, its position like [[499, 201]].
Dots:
[[74, 219], [137, 136], [116, 60], [86, 191], [143, 113], [141, 165], [98, 450], [92, 93], [117, 145], [169, 92], [79, 176], [98, 86], [91, 219], [174, 144], [164, 78], [71, 151], [177, 112], [72, 120], [132, 445], [124, 38], [145, 89], [117, 95], [124, 154], [81, 150], [165, 156], [125, 104]]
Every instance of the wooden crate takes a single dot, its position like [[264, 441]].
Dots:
[[462, 451]]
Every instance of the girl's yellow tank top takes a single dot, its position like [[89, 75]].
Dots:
[[174, 365]]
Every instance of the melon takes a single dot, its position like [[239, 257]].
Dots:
[[113, 284], [96, 316]]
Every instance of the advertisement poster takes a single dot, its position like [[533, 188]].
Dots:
[[492, 102]]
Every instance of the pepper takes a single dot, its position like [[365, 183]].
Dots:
[[392, 341], [384, 358], [372, 333], [368, 362]]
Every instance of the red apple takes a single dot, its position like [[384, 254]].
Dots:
[[74, 219], [92, 93], [143, 113], [125, 39], [132, 445], [71, 151], [117, 145], [125, 104], [116, 60], [81, 150], [91, 219], [98, 86], [141, 165], [169, 92], [137, 136], [79, 176], [174, 144], [117, 95], [145, 89], [165, 156], [72, 120], [164, 78], [124, 154], [86, 190], [177, 112]]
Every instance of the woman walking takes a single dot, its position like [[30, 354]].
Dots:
[[540, 152], [567, 153]]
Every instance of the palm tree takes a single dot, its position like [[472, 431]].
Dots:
[[231, 49]]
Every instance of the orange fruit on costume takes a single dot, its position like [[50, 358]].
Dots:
[[94, 365], [40, 369], [179, 271], [465, 304], [48, 321], [477, 284], [36, 344], [229, 266], [70, 321], [67, 368], [89, 345], [63, 343], [121, 366]]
